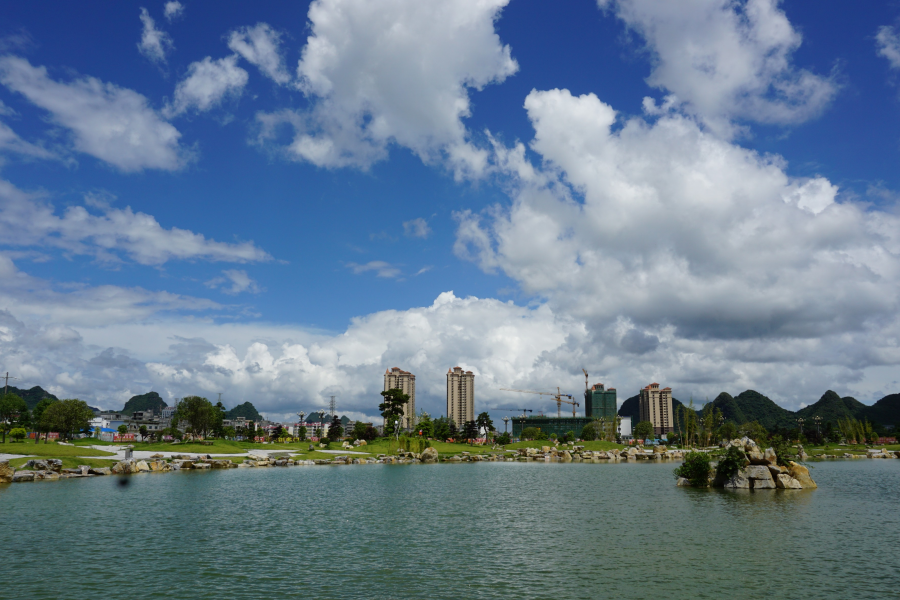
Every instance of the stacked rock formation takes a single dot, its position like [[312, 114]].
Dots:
[[761, 471]]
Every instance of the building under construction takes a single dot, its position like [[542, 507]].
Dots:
[[549, 425]]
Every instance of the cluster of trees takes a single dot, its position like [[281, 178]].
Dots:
[[854, 430], [67, 417], [606, 430]]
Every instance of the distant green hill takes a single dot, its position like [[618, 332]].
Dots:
[[246, 410], [753, 406], [886, 411], [32, 396], [832, 407], [149, 401], [756, 407]]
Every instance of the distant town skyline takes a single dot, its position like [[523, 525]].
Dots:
[[278, 201]]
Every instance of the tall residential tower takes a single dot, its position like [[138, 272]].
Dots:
[[397, 378], [655, 406], [460, 396]]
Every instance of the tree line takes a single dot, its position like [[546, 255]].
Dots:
[[66, 417]]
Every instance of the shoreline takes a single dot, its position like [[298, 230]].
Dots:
[[146, 461]]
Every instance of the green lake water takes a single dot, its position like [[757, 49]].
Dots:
[[483, 530]]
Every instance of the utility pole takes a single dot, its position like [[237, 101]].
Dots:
[[6, 387], [332, 407]]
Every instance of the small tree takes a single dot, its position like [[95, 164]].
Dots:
[[471, 430], [335, 429], [484, 423], [18, 433], [199, 413], [425, 426], [728, 431], [731, 462], [392, 409], [11, 406], [122, 429], [143, 431], [67, 416], [695, 468], [643, 430], [441, 428], [589, 432], [37, 416]]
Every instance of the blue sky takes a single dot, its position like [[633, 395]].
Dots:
[[275, 201]]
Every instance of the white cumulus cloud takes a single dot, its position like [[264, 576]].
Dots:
[[416, 228], [207, 83], [394, 72], [234, 281], [173, 10], [113, 124], [727, 59], [260, 45], [154, 44], [698, 261], [888, 42], [31, 222]]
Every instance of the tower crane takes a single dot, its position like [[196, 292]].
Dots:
[[524, 410], [558, 396], [585, 379]]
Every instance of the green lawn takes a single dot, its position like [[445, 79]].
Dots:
[[52, 450], [68, 462]]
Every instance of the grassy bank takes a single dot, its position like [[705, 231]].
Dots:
[[51, 450]]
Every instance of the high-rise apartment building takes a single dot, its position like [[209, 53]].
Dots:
[[600, 402], [655, 406], [460, 396], [397, 378]]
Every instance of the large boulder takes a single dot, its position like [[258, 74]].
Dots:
[[683, 482], [770, 456], [760, 477], [429, 455], [756, 457], [801, 474], [740, 481], [783, 481], [124, 467], [6, 472], [100, 471], [20, 476], [142, 467]]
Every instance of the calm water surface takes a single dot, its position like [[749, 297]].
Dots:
[[483, 530]]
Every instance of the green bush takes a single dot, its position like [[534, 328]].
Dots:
[[781, 448], [533, 433], [412, 444], [695, 468], [732, 462]]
